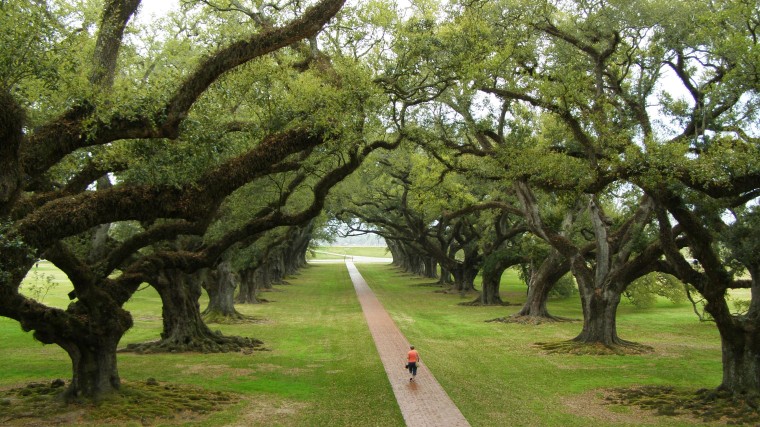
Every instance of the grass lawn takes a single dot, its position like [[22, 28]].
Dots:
[[322, 369], [497, 377]]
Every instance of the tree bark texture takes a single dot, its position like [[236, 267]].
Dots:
[[250, 280], [116, 15], [11, 135], [740, 342], [464, 278], [494, 265], [431, 265], [220, 285], [542, 280], [180, 308], [599, 316], [92, 347], [740, 349], [93, 361], [445, 278]]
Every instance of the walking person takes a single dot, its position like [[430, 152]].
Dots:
[[412, 359]]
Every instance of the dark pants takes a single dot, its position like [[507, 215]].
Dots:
[[413, 368]]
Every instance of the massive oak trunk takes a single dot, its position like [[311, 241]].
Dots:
[[603, 278], [277, 269], [740, 341], [445, 278], [90, 334], [295, 256], [181, 312], [466, 272], [490, 293], [464, 278], [249, 286], [542, 280], [599, 313], [184, 328], [416, 264], [220, 285], [740, 346], [94, 368], [11, 134], [494, 266]]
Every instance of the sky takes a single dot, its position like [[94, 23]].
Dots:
[[152, 8]]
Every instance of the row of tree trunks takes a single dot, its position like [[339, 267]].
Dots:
[[275, 265], [412, 261], [183, 326], [464, 278], [431, 267]]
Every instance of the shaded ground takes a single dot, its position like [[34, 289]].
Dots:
[[146, 403], [656, 405], [593, 349], [153, 403], [708, 406], [532, 320]]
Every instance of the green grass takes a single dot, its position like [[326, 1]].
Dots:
[[322, 367], [496, 376]]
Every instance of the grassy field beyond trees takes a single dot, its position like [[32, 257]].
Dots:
[[321, 366], [339, 252]]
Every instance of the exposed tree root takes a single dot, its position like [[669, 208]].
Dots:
[[258, 301], [450, 290], [708, 405], [431, 285], [532, 320], [594, 349], [209, 343], [227, 319], [477, 303]]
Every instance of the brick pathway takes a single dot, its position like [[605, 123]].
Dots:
[[422, 402]]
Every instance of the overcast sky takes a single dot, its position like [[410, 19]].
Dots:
[[151, 8]]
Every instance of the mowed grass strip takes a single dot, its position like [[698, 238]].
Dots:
[[321, 367], [496, 376]]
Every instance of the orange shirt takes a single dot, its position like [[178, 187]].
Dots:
[[413, 356]]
